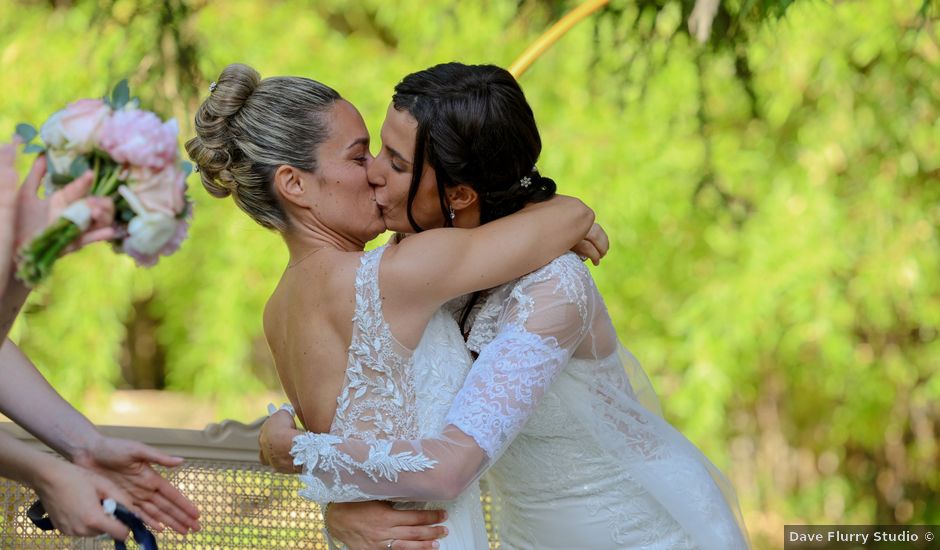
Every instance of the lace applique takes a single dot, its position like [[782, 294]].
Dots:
[[377, 400], [589, 443], [441, 364], [318, 453], [485, 319], [570, 276], [495, 402]]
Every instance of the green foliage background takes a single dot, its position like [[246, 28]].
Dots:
[[771, 197]]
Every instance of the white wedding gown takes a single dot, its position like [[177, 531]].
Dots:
[[391, 392], [583, 462]]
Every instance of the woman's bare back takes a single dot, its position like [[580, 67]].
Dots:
[[308, 326]]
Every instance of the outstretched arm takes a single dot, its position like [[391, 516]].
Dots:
[[543, 322], [61, 427], [71, 495]]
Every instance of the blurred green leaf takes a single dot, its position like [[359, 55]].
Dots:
[[26, 132], [120, 95], [79, 166]]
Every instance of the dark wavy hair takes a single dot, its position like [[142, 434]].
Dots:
[[476, 128]]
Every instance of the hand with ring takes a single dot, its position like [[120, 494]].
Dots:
[[375, 525]]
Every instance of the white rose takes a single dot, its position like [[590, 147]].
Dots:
[[149, 232], [60, 160], [52, 133]]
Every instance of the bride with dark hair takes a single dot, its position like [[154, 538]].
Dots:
[[557, 411]]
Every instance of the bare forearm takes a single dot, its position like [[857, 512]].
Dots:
[[19, 461], [11, 302], [437, 265], [523, 242], [59, 426]]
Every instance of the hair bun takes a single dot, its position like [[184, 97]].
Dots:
[[214, 149], [233, 88]]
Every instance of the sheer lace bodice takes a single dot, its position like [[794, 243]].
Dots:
[[378, 398], [590, 465], [392, 392]]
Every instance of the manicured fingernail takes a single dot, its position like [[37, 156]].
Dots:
[[446, 531], [445, 515], [435, 544]]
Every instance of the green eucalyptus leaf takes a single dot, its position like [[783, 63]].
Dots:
[[26, 132], [120, 95], [34, 148], [61, 179], [79, 166]]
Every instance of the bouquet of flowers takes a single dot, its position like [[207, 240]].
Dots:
[[135, 160]]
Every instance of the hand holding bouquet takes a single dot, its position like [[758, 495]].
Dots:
[[133, 158]]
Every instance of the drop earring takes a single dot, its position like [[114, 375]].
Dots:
[[452, 215]]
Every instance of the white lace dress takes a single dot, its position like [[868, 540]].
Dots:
[[591, 464], [383, 398]]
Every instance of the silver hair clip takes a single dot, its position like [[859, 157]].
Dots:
[[213, 86], [526, 181]]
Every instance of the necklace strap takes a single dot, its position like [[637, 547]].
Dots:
[[315, 250]]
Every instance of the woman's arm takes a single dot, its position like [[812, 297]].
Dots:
[[434, 266], [23, 215], [8, 181], [359, 525], [57, 423], [64, 429], [71, 495], [542, 324]]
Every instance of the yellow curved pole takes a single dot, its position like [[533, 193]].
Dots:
[[549, 37]]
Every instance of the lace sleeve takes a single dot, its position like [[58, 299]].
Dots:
[[543, 321]]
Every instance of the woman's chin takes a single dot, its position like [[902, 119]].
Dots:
[[398, 227]]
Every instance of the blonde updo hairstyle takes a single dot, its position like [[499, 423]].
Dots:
[[248, 127]]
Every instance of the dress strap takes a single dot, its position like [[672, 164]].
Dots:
[[368, 298]]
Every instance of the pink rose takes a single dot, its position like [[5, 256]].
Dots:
[[140, 139], [163, 191], [77, 127]]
